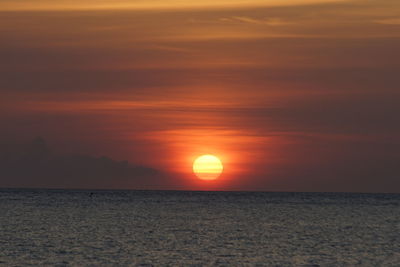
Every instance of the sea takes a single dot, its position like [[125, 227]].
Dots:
[[187, 228]]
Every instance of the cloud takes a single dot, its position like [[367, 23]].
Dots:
[[147, 4], [252, 20], [34, 164], [389, 21]]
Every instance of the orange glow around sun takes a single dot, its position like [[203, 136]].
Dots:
[[207, 167]]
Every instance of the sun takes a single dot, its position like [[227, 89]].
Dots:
[[208, 167]]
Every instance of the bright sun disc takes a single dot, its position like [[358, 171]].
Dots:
[[207, 167]]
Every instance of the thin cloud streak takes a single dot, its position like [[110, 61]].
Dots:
[[149, 4]]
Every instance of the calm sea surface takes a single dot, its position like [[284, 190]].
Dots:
[[122, 228]]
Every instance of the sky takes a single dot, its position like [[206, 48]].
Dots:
[[294, 95]]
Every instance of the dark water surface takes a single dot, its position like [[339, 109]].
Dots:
[[121, 228]]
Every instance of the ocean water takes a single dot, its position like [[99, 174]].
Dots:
[[161, 228]]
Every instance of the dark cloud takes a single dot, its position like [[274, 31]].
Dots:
[[352, 113], [34, 164]]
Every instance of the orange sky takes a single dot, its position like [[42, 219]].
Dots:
[[291, 95]]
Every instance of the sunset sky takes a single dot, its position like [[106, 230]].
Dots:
[[291, 95]]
